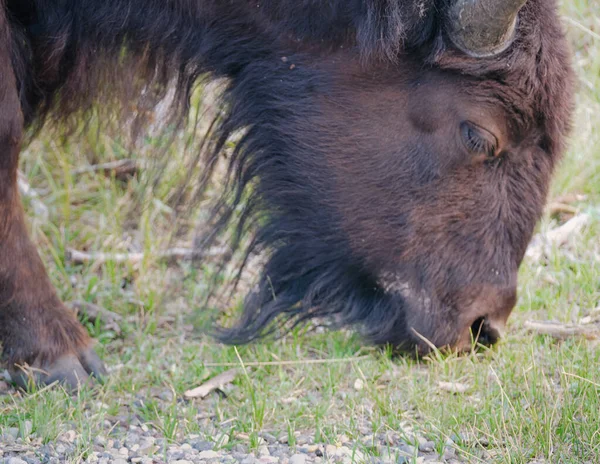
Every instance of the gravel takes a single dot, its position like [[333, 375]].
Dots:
[[125, 438], [145, 445]]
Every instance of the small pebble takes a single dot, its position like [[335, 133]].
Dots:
[[202, 445], [268, 460], [208, 455], [426, 446], [408, 450], [449, 453], [69, 436], [268, 437], [15, 461], [298, 459], [302, 440]]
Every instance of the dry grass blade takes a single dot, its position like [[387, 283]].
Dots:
[[297, 362], [556, 207], [215, 383], [563, 331]]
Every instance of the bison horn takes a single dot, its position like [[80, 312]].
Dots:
[[483, 28]]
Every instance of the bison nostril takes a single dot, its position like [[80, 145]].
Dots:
[[484, 333]]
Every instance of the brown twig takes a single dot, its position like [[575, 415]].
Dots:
[[542, 243], [183, 254], [563, 331], [121, 169], [94, 313]]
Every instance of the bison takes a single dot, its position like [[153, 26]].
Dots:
[[395, 154]]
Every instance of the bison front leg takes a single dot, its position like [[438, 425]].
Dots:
[[39, 337]]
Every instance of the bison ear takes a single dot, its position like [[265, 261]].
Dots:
[[483, 28]]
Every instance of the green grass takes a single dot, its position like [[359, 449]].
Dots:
[[530, 398]]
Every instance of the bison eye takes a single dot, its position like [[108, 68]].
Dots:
[[477, 140]]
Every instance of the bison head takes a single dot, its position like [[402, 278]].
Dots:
[[400, 196]]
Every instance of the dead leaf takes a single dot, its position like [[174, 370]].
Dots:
[[39, 208], [453, 387], [543, 243], [215, 383]]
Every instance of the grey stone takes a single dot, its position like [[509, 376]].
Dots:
[[408, 450], [302, 440], [7, 439], [268, 460], [298, 459], [268, 437], [426, 446], [449, 453], [146, 444], [26, 429], [166, 395], [208, 455], [201, 445], [131, 439], [239, 448], [32, 460], [176, 455], [15, 460], [279, 451]]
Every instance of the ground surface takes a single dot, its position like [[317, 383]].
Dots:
[[312, 396]]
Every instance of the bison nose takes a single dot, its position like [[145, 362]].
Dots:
[[487, 332], [484, 331], [485, 319]]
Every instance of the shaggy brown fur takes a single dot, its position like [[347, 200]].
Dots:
[[394, 180]]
